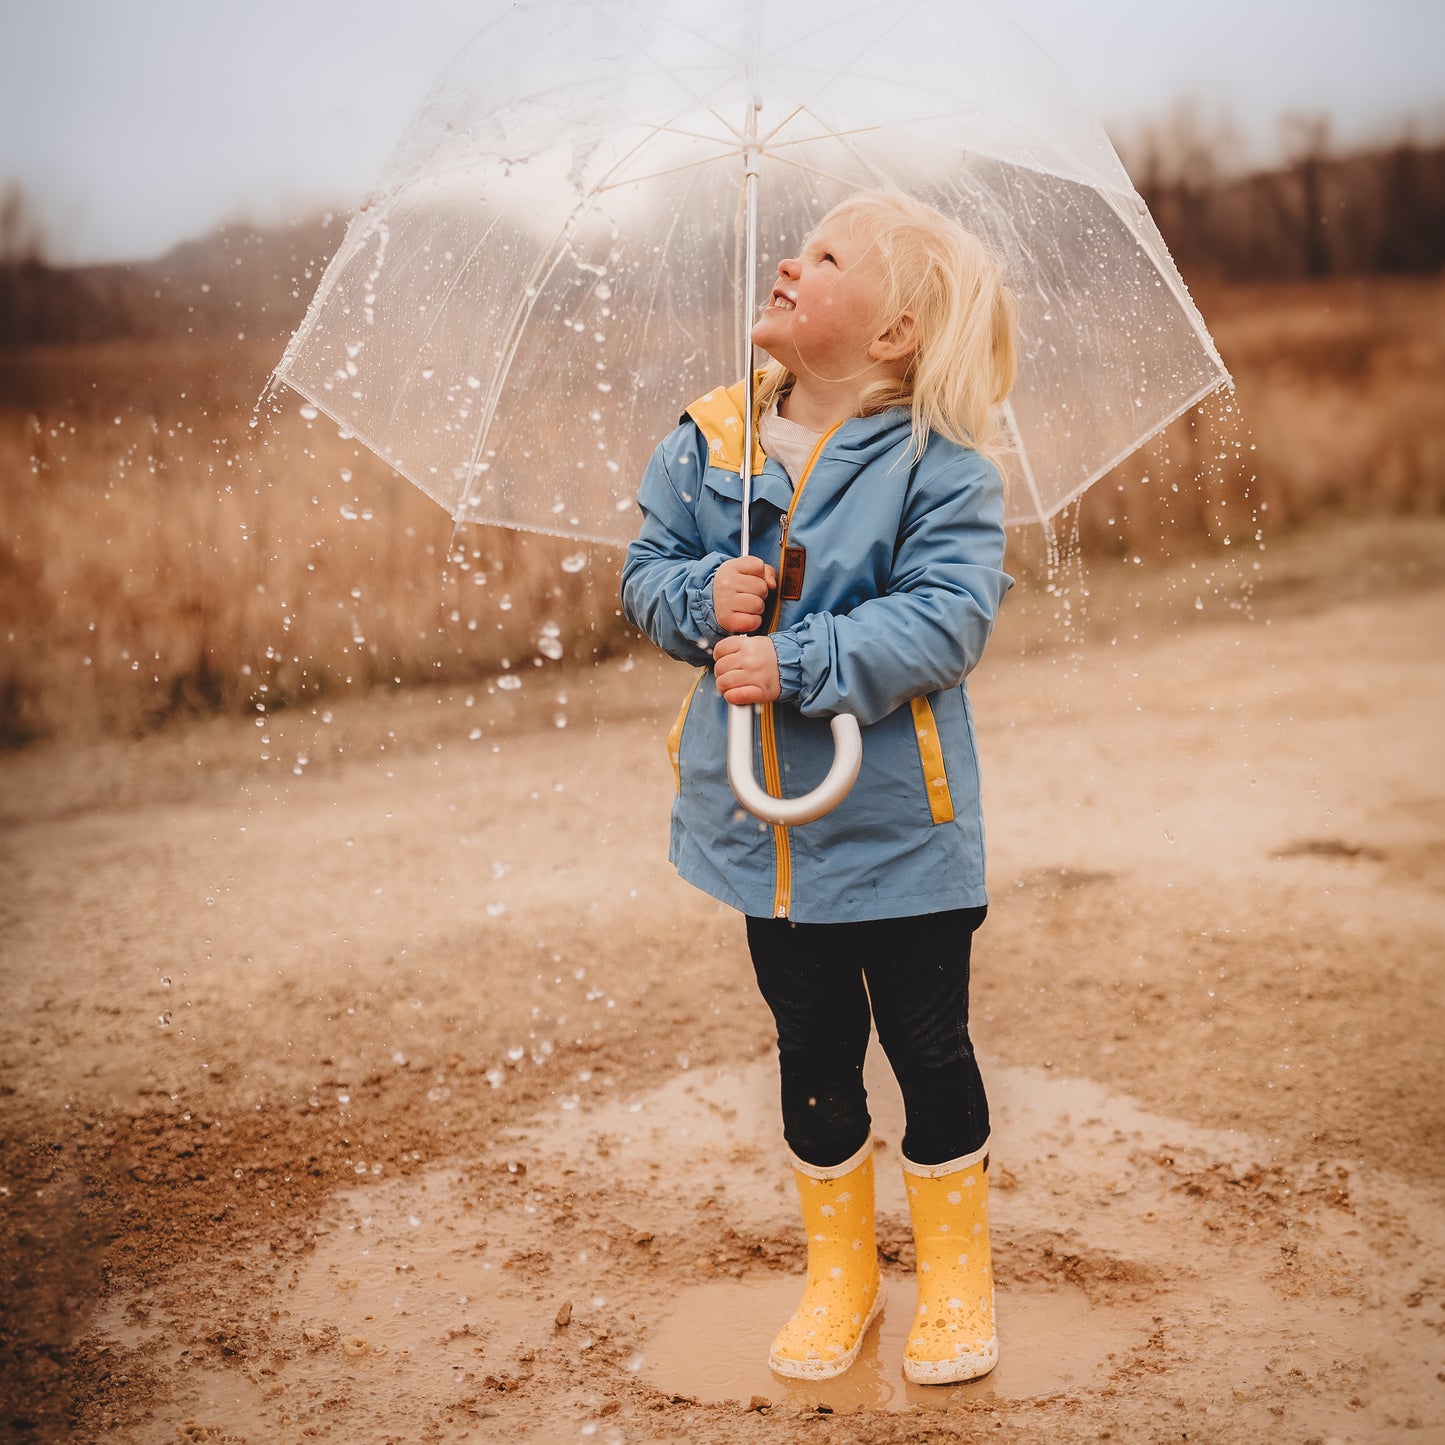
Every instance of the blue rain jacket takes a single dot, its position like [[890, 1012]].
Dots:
[[902, 580]]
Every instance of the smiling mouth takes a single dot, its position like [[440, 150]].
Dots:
[[781, 302]]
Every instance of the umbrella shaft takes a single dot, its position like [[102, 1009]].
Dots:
[[750, 306]]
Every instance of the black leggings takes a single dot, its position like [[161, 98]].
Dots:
[[819, 980]]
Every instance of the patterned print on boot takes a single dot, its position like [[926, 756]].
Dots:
[[843, 1295], [953, 1336]]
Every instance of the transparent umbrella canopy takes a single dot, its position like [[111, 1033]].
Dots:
[[554, 262]]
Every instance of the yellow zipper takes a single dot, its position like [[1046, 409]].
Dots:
[[772, 770]]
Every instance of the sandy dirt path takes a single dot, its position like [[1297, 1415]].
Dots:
[[389, 1087]]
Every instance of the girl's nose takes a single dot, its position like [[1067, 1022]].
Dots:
[[789, 267]]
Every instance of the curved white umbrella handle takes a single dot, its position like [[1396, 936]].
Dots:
[[847, 759]]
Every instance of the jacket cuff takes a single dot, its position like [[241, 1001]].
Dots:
[[790, 666], [701, 615], [700, 609]]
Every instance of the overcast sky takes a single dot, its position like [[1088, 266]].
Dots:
[[134, 124]]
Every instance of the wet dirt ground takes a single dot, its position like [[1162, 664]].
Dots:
[[403, 1094]]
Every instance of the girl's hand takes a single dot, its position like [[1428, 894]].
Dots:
[[740, 588], [746, 669]]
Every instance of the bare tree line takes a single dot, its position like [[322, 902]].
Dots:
[[1321, 212]]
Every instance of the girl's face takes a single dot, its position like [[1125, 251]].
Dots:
[[825, 311]]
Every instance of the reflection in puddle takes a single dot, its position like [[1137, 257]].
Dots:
[[714, 1346]]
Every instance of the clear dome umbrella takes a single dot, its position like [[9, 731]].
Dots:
[[565, 247]]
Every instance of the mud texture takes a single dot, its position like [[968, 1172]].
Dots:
[[369, 1077]]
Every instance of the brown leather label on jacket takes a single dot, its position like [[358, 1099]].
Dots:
[[790, 584]]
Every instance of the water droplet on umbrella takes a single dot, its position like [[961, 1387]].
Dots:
[[574, 563], [509, 683]]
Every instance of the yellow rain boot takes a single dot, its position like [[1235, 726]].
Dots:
[[953, 1336], [843, 1295]]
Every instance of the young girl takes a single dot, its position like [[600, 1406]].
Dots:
[[878, 500]]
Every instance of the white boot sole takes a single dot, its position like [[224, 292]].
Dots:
[[827, 1369], [952, 1372]]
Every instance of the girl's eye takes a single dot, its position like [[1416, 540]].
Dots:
[[829, 256]]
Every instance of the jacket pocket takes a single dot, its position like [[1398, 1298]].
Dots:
[[674, 737], [930, 756]]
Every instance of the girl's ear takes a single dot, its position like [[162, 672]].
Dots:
[[898, 342]]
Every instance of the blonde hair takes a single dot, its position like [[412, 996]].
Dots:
[[965, 320]]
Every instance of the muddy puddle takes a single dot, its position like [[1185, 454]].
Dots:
[[651, 1242], [713, 1344]]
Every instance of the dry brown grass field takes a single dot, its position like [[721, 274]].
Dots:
[[162, 554]]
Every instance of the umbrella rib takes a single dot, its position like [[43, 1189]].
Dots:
[[840, 136], [694, 134], [721, 119], [437, 313], [1171, 278], [550, 258], [1023, 459], [878, 175], [669, 171], [796, 111], [804, 140], [1201, 393], [852, 151], [606, 183]]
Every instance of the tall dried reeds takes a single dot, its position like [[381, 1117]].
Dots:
[[165, 556]]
